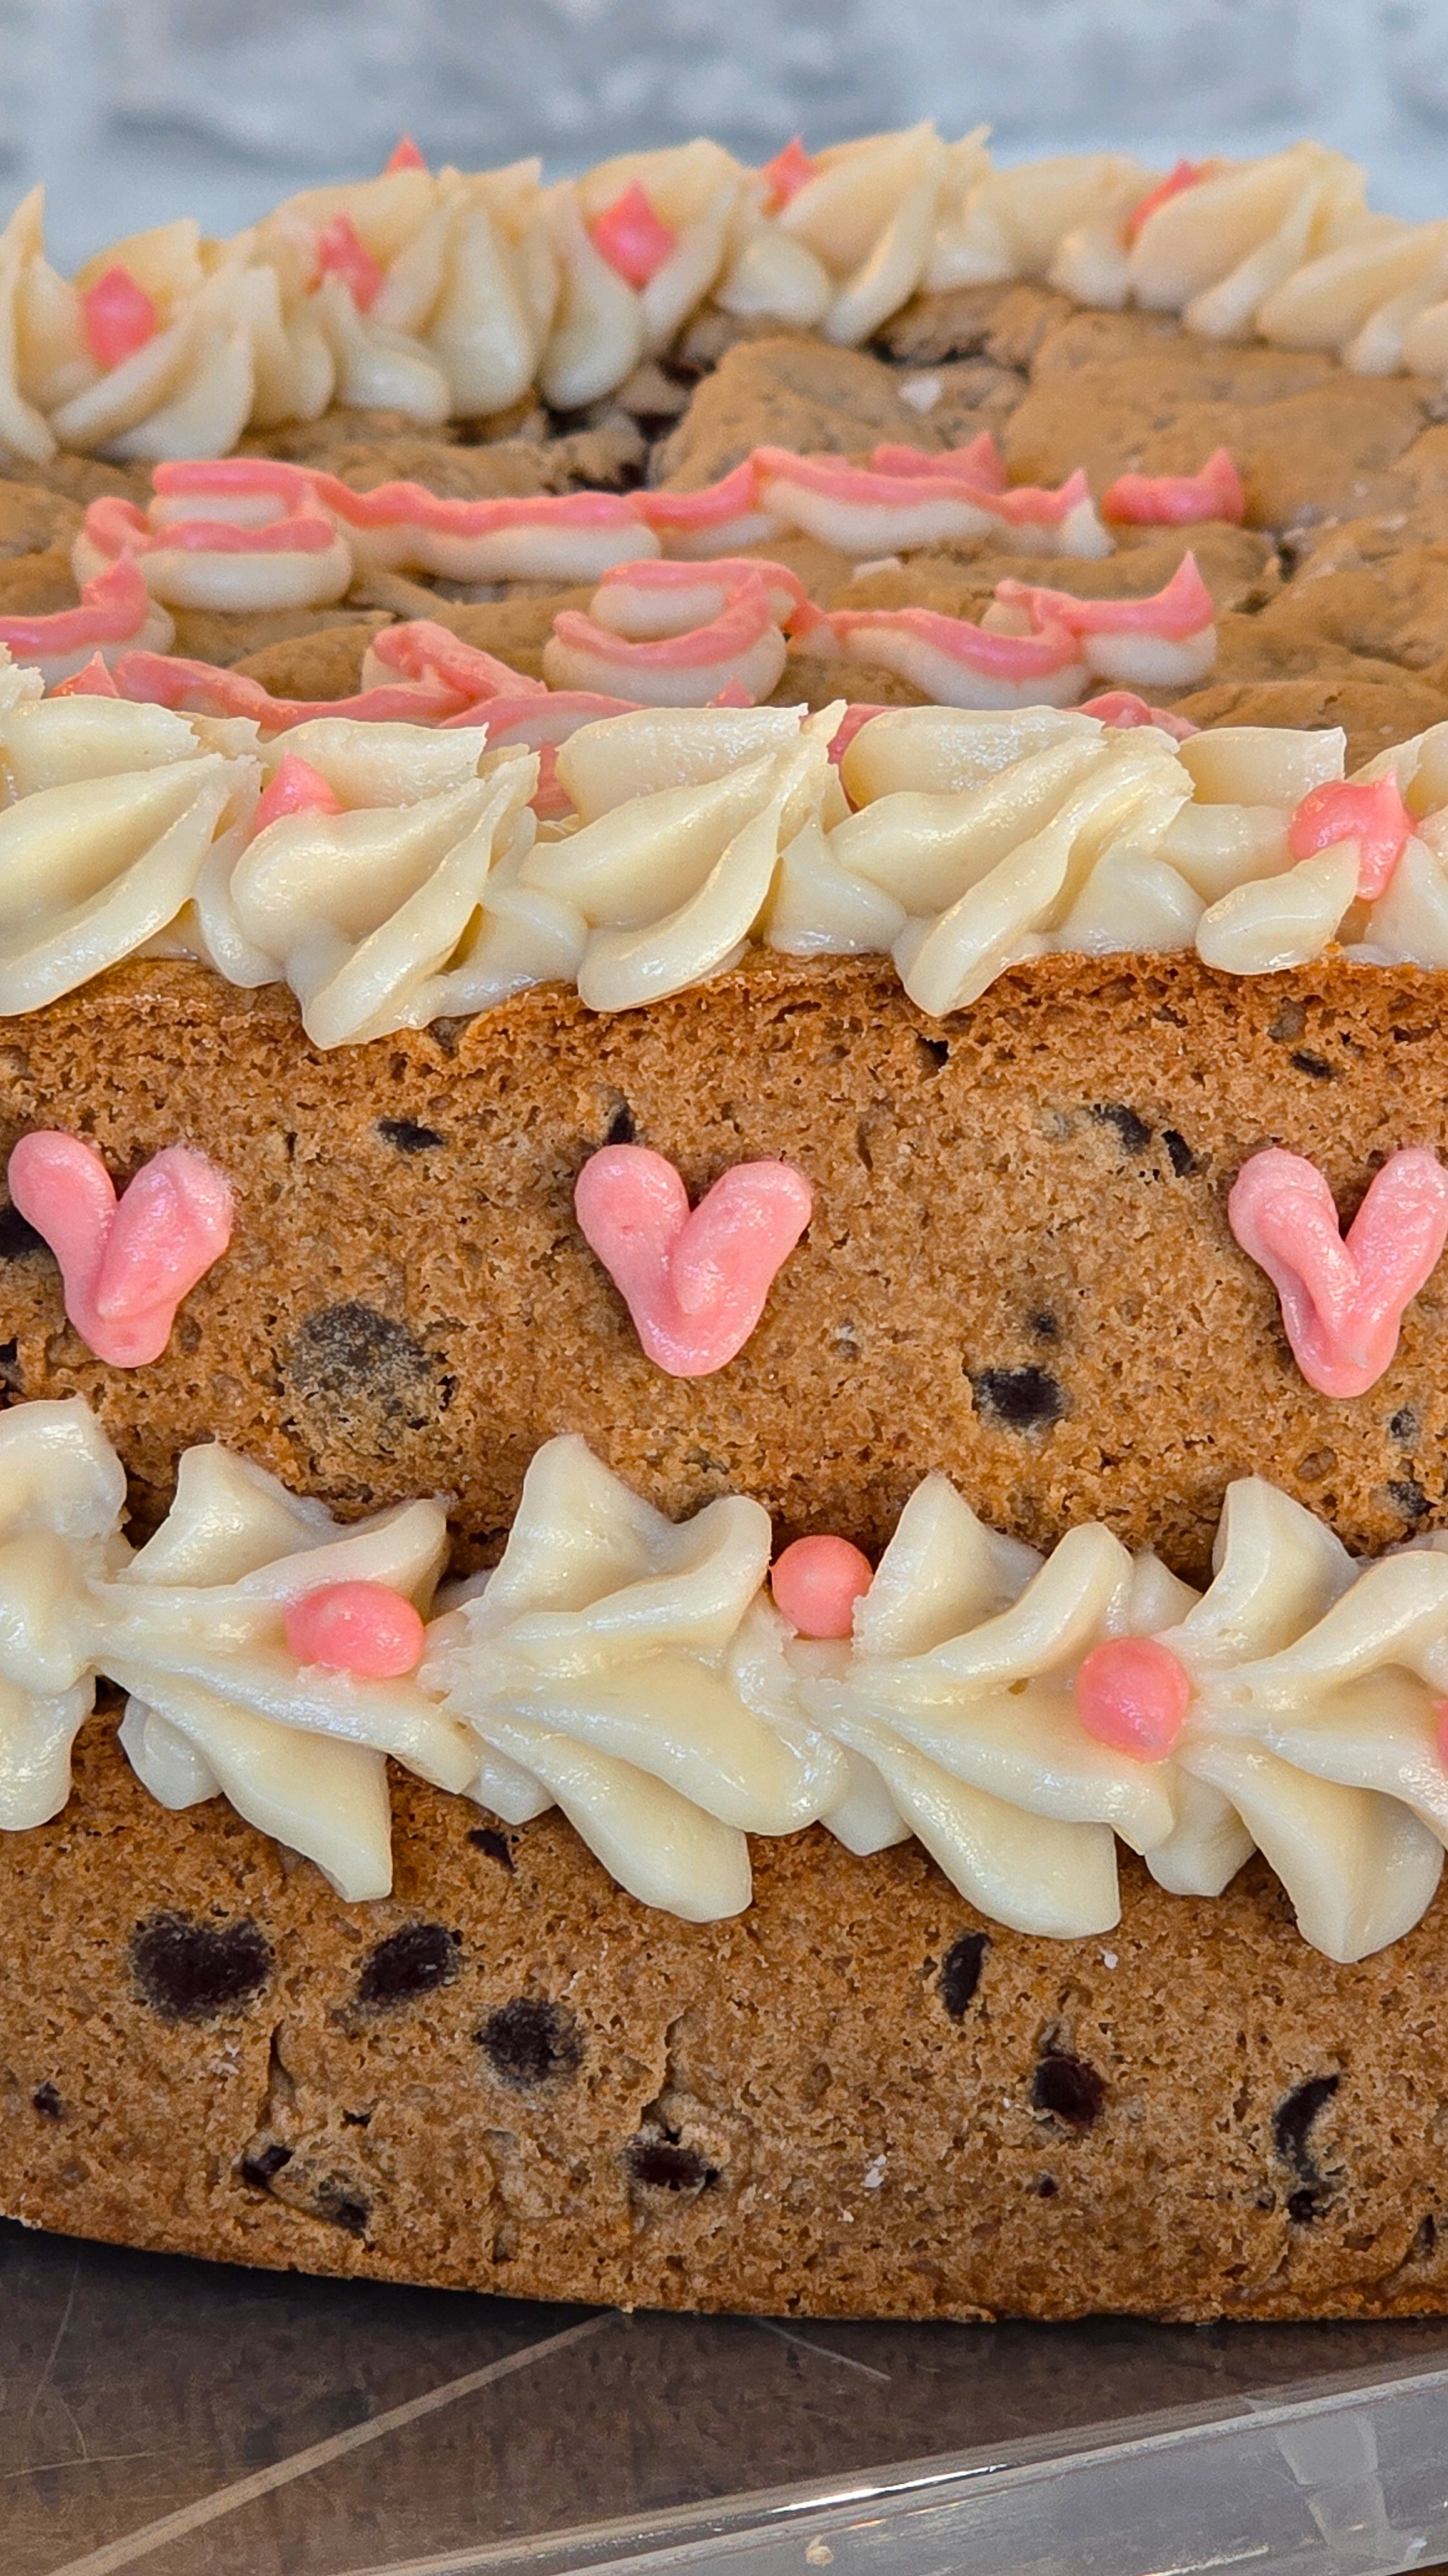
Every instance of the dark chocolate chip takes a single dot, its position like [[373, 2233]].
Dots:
[[1047, 2187], [1179, 1152], [621, 1129], [414, 1961], [1069, 2088], [486, 1838], [1044, 1326], [1023, 1399], [1407, 1496], [530, 2042], [338, 2200], [1303, 2206], [188, 1970], [1132, 1130], [18, 1237], [1314, 1065], [1293, 2118], [1290, 1022], [47, 2102], [259, 2169], [1404, 1426], [961, 1973], [659, 2165], [408, 1136], [350, 1349]]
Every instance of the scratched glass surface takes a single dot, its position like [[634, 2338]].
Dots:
[[182, 2419]]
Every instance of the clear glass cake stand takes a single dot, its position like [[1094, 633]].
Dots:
[[180, 2419]]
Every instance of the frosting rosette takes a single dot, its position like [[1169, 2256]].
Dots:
[[1019, 1714], [839, 241], [195, 1629]]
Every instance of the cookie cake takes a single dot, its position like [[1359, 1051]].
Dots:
[[724, 1481]]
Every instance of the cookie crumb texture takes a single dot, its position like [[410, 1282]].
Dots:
[[1019, 1267], [852, 2100]]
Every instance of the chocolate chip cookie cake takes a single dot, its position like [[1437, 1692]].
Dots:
[[724, 1470]]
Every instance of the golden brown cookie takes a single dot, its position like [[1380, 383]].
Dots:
[[856, 2099], [1019, 1267]]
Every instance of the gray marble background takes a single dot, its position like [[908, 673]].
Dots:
[[133, 110]]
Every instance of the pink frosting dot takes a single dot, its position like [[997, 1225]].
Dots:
[[1132, 1694], [816, 1583], [362, 1628], [118, 317]]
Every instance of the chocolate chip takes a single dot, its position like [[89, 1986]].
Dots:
[[1132, 1130], [659, 2165], [349, 1350], [961, 1973], [1044, 1326], [414, 1961], [259, 2168], [407, 1136], [1069, 2088], [47, 2102], [1314, 1065], [1404, 1426], [339, 2201], [1292, 2122], [1425, 2239], [1047, 2187], [529, 2042], [1407, 1496], [934, 1054], [18, 1237], [485, 1838], [1303, 2206], [190, 1971], [1179, 1153], [621, 1129], [1023, 1399]]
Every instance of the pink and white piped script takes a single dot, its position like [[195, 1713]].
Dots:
[[126, 1264], [1343, 1299], [694, 1281]]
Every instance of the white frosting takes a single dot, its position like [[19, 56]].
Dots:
[[957, 842], [484, 285], [635, 1673]]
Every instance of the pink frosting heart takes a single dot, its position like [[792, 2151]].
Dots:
[[126, 1265], [695, 1284], [1342, 1301]]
